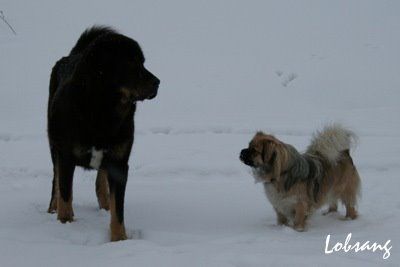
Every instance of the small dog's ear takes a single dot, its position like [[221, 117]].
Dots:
[[268, 152], [264, 152], [275, 154], [273, 157]]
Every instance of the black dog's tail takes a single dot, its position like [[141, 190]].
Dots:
[[88, 36]]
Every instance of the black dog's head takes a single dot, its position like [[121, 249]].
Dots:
[[117, 63]]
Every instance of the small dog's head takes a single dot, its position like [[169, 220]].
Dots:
[[266, 155]]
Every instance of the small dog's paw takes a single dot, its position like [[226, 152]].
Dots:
[[351, 216], [299, 228], [351, 213]]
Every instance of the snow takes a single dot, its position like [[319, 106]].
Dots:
[[227, 69]]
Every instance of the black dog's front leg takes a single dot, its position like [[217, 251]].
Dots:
[[117, 178], [65, 174]]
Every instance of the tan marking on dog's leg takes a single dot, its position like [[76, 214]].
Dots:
[[103, 196], [53, 205], [299, 217], [65, 174], [65, 212], [281, 219], [117, 229], [54, 200]]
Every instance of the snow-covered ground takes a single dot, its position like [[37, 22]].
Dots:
[[227, 69]]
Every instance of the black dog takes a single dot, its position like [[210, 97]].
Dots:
[[92, 101]]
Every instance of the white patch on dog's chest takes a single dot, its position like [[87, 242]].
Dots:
[[97, 157], [279, 201]]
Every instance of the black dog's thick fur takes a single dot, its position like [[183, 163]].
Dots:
[[92, 101]]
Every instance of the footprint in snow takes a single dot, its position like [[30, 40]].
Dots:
[[286, 79]]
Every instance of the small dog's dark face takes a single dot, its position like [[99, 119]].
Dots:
[[250, 156], [261, 154], [120, 61]]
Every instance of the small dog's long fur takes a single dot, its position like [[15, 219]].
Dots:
[[298, 184]]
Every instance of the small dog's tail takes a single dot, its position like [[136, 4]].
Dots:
[[331, 142], [88, 36]]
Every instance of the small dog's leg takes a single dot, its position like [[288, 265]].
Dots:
[[333, 207], [65, 175], [281, 219], [349, 195], [103, 196], [300, 217], [349, 200], [351, 212]]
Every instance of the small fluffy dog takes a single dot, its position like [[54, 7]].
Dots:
[[298, 184]]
